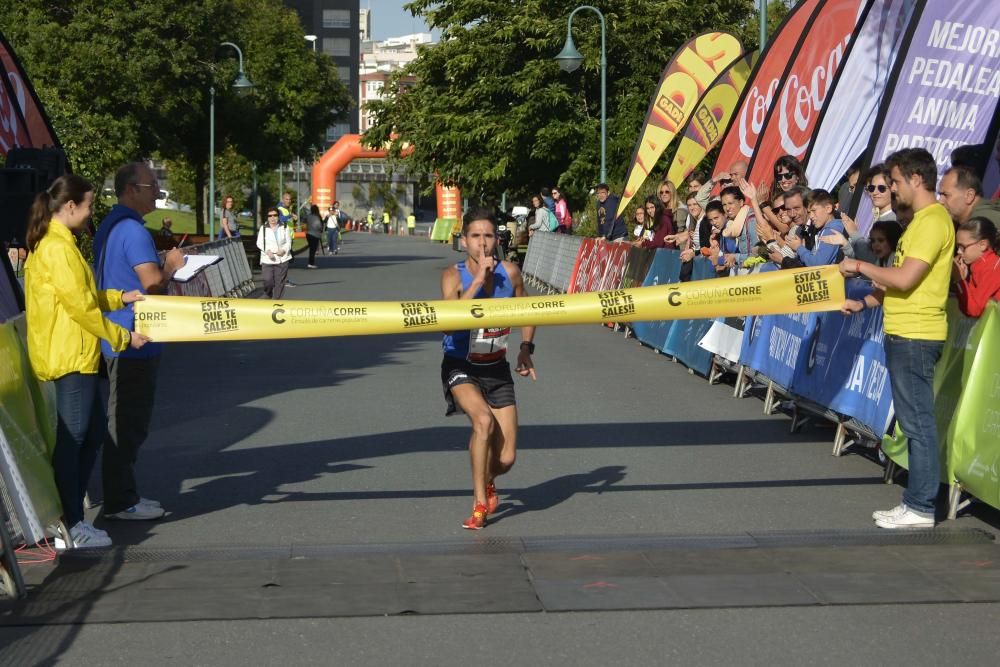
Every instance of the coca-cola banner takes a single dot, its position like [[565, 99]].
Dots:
[[711, 118], [691, 71], [945, 89], [741, 139], [599, 267], [846, 123], [22, 121], [799, 100]]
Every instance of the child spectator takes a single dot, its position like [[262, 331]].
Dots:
[[977, 267]]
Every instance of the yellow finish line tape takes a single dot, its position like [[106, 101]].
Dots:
[[177, 318]]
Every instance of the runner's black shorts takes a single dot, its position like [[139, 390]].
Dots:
[[493, 380]]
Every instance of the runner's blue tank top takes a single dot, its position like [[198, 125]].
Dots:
[[481, 346]]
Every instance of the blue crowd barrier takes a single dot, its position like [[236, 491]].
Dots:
[[665, 269], [682, 340], [845, 369]]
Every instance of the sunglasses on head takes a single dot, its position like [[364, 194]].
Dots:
[[786, 175], [879, 188]]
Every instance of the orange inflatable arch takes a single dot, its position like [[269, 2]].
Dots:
[[349, 148]]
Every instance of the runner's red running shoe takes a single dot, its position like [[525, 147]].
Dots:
[[492, 499], [478, 518]]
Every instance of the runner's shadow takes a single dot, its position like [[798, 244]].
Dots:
[[555, 491]]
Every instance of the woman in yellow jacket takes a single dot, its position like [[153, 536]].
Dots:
[[65, 321]]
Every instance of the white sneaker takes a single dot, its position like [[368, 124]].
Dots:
[[908, 519], [138, 512], [888, 514], [150, 502], [85, 536]]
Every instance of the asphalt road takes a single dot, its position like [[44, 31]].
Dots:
[[344, 441]]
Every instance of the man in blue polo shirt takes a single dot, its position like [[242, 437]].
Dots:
[[125, 258]]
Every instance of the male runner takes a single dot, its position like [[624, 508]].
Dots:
[[475, 371]]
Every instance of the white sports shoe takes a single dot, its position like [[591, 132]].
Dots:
[[886, 514], [908, 519], [138, 512], [150, 502], [85, 536]]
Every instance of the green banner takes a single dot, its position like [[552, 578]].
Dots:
[[974, 433], [947, 390], [27, 436], [442, 229]]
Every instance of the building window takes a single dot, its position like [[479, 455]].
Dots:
[[335, 132], [336, 18], [344, 74], [337, 46]]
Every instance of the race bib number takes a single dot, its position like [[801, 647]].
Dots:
[[487, 346]]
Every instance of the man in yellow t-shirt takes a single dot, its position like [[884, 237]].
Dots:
[[913, 295]]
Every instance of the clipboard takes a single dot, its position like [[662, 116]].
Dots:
[[193, 265]]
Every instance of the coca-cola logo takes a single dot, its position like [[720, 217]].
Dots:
[[615, 268], [802, 98], [752, 116]]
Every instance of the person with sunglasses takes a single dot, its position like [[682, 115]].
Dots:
[[275, 245], [854, 244], [878, 192], [126, 259], [977, 267]]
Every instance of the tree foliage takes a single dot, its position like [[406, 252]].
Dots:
[[493, 112], [127, 78]]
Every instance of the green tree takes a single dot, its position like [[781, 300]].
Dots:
[[128, 78], [492, 111]]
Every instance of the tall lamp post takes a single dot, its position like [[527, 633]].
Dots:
[[570, 60], [240, 85], [312, 38], [763, 24]]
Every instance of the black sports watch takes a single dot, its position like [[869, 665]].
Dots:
[[528, 344]]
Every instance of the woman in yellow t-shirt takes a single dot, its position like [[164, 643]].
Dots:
[[65, 322]]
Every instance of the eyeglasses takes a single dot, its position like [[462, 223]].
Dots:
[[786, 175], [664, 192], [779, 209], [272, 215], [962, 247], [880, 188]]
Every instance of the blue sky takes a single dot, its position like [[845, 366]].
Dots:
[[389, 19]]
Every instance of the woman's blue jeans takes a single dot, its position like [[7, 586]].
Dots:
[[911, 372], [79, 434]]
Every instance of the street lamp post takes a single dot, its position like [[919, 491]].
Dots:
[[240, 85], [763, 24], [312, 38], [570, 60]]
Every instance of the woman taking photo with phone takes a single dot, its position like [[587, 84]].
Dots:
[[65, 324]]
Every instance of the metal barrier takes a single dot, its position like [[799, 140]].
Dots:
[[231, 277], [548, 264]]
